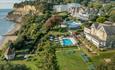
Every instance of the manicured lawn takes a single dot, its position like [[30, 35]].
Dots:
[[70, 59]]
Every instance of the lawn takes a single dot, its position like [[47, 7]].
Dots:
[[19, 59], [62, 14], [105, 54], [70, 59], [30, 65]]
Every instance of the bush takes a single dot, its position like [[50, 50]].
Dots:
[[112, 18], [100, 19], [10, 66]]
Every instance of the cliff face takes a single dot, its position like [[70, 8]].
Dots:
[[17, 13], [25, 10]]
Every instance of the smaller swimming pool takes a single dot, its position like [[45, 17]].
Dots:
[[73, 24], [67, 42]]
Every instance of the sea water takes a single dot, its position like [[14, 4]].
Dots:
[[5, 25]]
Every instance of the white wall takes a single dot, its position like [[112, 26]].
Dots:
[[10, 57]]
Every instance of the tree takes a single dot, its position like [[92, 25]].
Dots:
[[85, 2], [96, 5], [100, 19], [106, 66], [48, 55], [53, 21], [93, 17], [10, 66], [20, 42], [107, 8], [43, 7], [112, 18]]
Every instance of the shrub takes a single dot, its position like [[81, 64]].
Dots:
[[10, 66], [100, 19]]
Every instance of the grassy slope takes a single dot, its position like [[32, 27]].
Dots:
[[68, 61], [105, 54]]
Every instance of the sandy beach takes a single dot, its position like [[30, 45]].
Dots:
[[10, 35], [13, 30]]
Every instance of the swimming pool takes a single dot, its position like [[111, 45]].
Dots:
[[73, 24], [67, 42]]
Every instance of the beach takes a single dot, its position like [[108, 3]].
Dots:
[[10, 35]]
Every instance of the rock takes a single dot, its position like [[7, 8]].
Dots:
[[17, 14]]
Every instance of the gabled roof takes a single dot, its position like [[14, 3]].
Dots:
[[110, 30], [9, 51], [95, 25]]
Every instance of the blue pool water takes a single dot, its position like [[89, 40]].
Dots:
[[72, 24], [67, 42]]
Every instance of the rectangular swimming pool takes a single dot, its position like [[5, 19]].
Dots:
[[67, 42]]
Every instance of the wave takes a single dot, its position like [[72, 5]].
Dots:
[[5, 25], [1, 38]]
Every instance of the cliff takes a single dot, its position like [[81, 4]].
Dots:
[[17, 13], [25, 10]]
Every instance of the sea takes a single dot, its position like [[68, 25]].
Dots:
[[5, 25]]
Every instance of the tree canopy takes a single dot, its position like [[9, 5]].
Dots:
[[101, 19], [10, 66]]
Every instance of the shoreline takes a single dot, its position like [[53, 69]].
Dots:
[[10, 35], [15, 28]]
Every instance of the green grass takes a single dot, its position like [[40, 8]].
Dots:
[[68, 60], [105, 54], [29, 64], [62, 14]]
